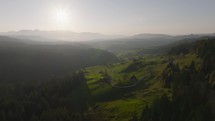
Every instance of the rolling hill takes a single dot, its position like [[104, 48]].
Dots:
[[36, 60]]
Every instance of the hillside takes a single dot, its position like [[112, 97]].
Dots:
[[192, 86], [27, 61], [163, 84]]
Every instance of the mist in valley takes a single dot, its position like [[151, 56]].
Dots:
[[97, 60]]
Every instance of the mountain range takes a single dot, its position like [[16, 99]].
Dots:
[[57, 35], [112, 43], [85, 36]]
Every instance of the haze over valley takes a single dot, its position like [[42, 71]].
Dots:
[[107, 60]]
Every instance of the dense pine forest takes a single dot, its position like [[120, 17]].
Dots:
[[63, 99]]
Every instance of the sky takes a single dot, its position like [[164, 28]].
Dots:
[[125, 17]]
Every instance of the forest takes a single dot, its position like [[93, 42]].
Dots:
[[193, 88]]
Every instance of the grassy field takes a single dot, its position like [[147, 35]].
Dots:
[[119, 104]]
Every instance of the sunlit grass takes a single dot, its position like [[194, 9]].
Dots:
[[143, 94]]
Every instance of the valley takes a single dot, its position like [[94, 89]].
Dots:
[[96, 85], [107, 60]]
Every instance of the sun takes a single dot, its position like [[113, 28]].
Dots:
[[62, 16]]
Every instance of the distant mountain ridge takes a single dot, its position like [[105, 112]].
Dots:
[[58, 35], [149, 35], [64, 35], [140, 41], [112, 43]]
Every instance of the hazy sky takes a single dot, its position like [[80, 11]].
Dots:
[[110, 16]]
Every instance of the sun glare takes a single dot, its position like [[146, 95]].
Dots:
[[62, 16]]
